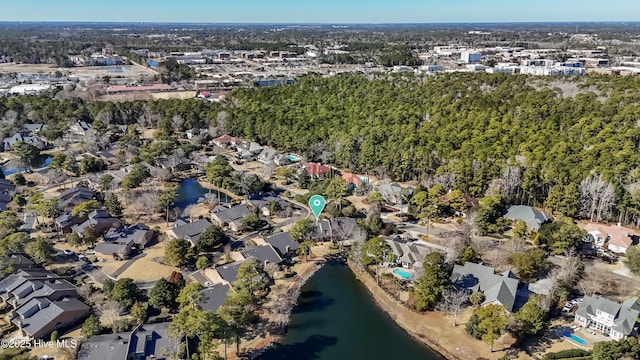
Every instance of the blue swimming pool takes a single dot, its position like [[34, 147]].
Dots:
[[403, 274], [293, 158], [576, 338]]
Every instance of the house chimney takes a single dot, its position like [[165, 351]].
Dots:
[[19, 323], [619, 224]]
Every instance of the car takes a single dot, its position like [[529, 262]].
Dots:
[[207, 284], [68, 252], [90, 252]]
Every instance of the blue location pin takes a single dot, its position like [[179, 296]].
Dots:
[[317, 203]]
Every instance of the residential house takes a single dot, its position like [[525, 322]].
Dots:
[[188, 231], [316, 170], [79, 128], [38, 317], [282, 159], [19, 277], [249, 147], [353, 179], [7, 190], [609, 318], [36, 141], [139, 233], [75, 196], [213, 297], [100, 220], [5, 199], [282, 243], [120, 249], [499, 289], [268, 155], [394, 194], [32, 129], [191, 133], [6, 186], [51, 288], [265, 253], [225, 141], [263, 203], [532, 217], [338, 229], [617, 237], [223, 274], [230, 218], [66, 221], [19, 261], [146, 341], [408, 254]]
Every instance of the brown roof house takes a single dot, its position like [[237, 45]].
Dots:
[[618, 238]]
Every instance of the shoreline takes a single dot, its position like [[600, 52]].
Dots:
[[229, 194], [398, 312]]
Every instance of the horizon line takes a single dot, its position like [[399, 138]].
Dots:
[[319, 23]]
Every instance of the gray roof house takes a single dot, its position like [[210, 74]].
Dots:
[[7, 186], [213, 297], [19, 277], [188, 231], [223, 274], [139, 234], [146, 341], [282, 243], [79, 128], [267, 155], [33, 140], [393, 193], [38, 317], [52, 289], [532, 217], [337, 229], [19, 261], [264, 253], [230, 218], [100, 220], [408, 254], [609, 317], [119, 248], [500, 289], [33, 128], [262, 202]]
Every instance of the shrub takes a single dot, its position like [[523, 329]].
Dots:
[[54, 335], [568, 354]]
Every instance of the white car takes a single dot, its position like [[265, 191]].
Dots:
[[90, 252], [68, 252]]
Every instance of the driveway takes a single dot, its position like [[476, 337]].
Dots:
[[126, 265]]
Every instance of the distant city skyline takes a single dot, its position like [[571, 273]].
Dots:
[[320, 11]]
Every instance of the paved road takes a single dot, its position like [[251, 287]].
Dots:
[[96, 274]]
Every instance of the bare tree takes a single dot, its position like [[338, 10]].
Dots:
[[452, 302], [359, 238], [571, 268], [271, 268], [85, 290], [596, 198], [591, 282], [111, 310], [97, 298]]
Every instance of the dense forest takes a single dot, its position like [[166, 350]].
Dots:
[[468, 128]]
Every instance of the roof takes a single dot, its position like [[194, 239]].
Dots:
[[268, 154], [625, 317], [191, 231], [408, 253], [40, 288], [213, 297], [133, 233], [282, 242], [496, 287], [226, 139], [105, 347], [151, 339], [618, 235], [264, 253], [338, 228], [229, 272], [532, 217], [315, 169], [351, 178], [7, 185], [34, 127], [259, 201], [110, 248], [39, 313], [234, 213]]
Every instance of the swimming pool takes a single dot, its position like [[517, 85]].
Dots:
[[403, 274], [575, 338], [293, 158]]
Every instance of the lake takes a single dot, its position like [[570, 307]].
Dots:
[[11, 168], [190, 192], [336, 318]]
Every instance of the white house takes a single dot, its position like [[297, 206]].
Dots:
[[607, 317]]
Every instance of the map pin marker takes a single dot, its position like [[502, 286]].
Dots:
[[317, 203]]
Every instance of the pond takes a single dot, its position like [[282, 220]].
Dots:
[[337, 319], [191, 192], [12, 167]]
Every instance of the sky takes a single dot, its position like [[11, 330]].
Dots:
[[319, 11]]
